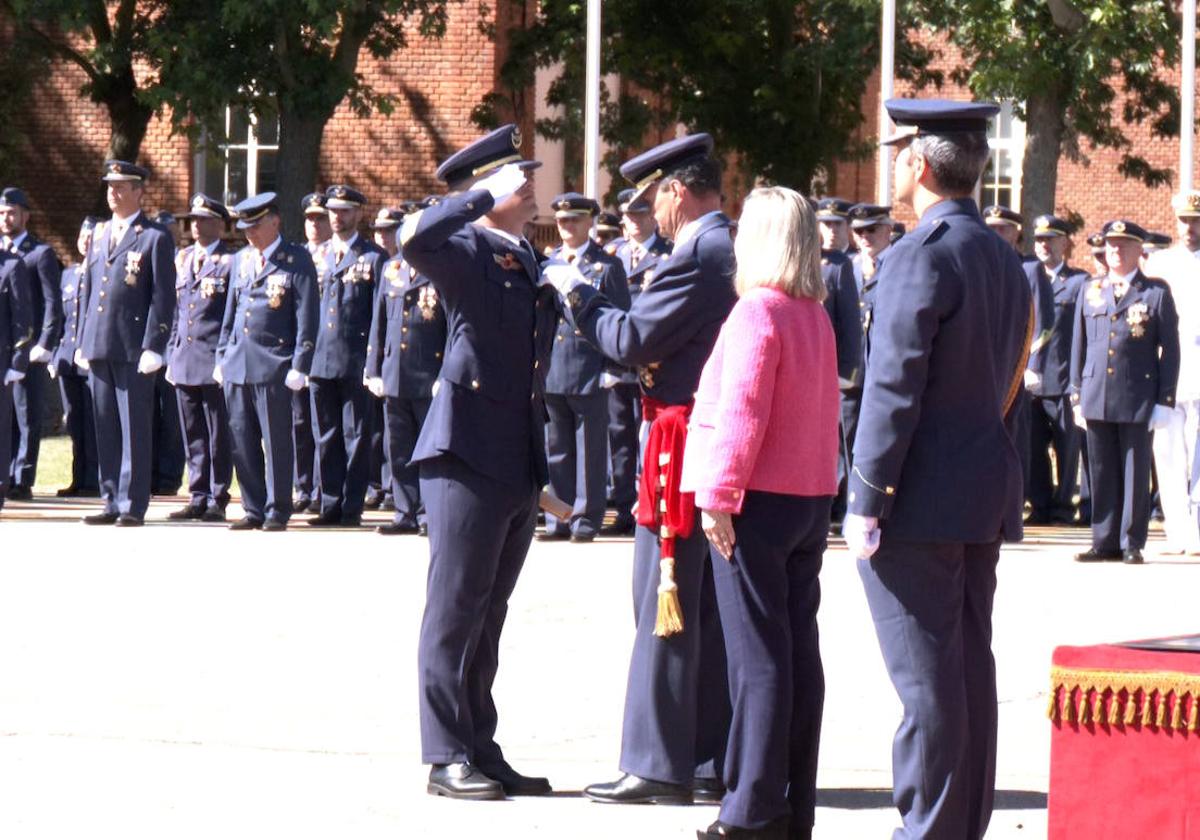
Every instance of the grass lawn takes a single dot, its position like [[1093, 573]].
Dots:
[[54, 465]]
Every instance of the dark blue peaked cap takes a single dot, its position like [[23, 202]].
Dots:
[[653, 164], [936, 116], [251, 211], [1124, 229], [13, 197], [485, 155]]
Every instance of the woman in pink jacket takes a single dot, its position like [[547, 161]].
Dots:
[[761, 459]]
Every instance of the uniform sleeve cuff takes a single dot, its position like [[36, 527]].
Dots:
[[864, 500], [723, 499]]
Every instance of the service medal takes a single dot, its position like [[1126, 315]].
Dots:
[[508, 262], [1137, 316], [1095, 293], [276, 286], [133, 264], [427, 301]]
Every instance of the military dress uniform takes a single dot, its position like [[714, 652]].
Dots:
[[17, 327], [379, 470], [304, 437], [29, 395], [73, 381], [1051, 423], [576, 402], [1124, 364], [342, 406], [408, 338], [131, 301], [481, 451], [677, 700], [267, 335], [841, 303], [935, 465], [201, 289]]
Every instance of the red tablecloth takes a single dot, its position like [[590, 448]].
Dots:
[[1125, 747]]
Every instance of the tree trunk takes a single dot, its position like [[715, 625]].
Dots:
[[129, 117], [299, 163], [1044, 130]]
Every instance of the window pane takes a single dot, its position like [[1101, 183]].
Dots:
[[239, 125], [267, 178], [237, 177], [267, 131]]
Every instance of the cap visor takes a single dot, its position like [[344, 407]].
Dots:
[[900, 135], [341, 204]]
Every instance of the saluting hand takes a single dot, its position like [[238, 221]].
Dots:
[[718, 527], [503, 182]]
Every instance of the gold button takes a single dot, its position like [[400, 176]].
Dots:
[[404, 329], [330, 325], [190, 322], [475, 384], [508, 284], [189, 338], [1112, 352], [1112, 335], [403, 346], [332, 310], [101, 293], [246, 330], [99, 308], [535, 364], [1110, 370], [1114, 317]]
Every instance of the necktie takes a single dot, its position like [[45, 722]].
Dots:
[[571, 259], [338, 255], [1119, 289], [199, 259], [262, 261], [635, 256]]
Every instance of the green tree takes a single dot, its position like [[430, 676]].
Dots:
[[1067, 64]]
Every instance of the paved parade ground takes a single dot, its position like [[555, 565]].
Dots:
[[188, 682]]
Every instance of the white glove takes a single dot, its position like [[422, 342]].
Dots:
[[81, 361], [217, 376], [1078, 414], [170, 377], [150, 362], [1160, 417], [13, 376], [295, 380], [607, 380], [53, 371], [375, 386], [503, 182], [1032, 378], [561, 276], [39, 355], [861, 534]]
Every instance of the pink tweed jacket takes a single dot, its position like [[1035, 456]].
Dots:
[[766, 413]]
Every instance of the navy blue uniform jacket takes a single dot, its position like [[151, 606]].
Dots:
[[16, 316], [1052, 359], [575, 364], [408, 332], [199, 313], [347, 305]]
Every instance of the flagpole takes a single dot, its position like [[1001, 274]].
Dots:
[[591, 121], [1187, 97], [887, 76]]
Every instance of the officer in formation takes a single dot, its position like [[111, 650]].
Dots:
[[1124, 369], [936, 480], [833, 217], [126, 325], [641, 252], [384, 229], [17, 328], [404, 357], [1006, 223], [872, 226], [1175, 442], [677, 700], [168, 457], [29, 394], [202, 275], [268, 335], [317, 234], [608, 229], [1047, 377], [73, 380], [481, 452], [342, 405], [576, 403]]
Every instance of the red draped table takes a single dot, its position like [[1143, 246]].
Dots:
[[1125, 746]]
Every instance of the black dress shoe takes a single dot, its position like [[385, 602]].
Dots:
[[213, 514], [620, 528], [313, 507], [189, 512], [87, 493], [582, 538], [100, 519], [65, 492], [514, 783], [274, 525], [300, 503], [553, 536], [20, 493], [707, 790], [1094, 556], [350, 521], [128, 520], [1132, 557], [326, 520], [373, 500], [246, 523], [393, 528], [462, 781], [775, 830], [632, 790]]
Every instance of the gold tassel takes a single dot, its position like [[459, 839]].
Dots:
[[1069, 705], [1083, 711], [1114, 710], [1146, 710], [1177, 714], [1194, 715], [1052, 708], [669, 620], [1130, 708], [1160, 719], [1098, 707]]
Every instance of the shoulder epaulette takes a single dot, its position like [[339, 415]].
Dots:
[[935, 231]]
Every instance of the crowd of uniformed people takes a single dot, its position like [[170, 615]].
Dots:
[[445, 368]]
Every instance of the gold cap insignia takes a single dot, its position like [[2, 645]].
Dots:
[[516, 138], [340, 192], [994, 212], [1117, 227], [115, 169]]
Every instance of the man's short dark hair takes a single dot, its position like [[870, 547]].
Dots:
[[956, 158], [702, 176]]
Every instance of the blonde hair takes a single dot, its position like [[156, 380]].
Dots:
[[778, 244]]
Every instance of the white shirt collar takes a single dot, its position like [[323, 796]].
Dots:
[[568, 252], [266, 253], [1057, 270], [647, 244], [689, 230], [505, 235], [345, 244], [16, 241], [209, 248], [124, 221], [1127, 279]]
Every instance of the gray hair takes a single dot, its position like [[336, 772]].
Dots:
[[956, 159]]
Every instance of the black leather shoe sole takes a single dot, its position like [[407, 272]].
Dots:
[[1132, 558], [245, 525], [100, 519], [1097, 556], [553, 537], [19, 494], [213, 515], [186, 513], [393, 529], [126, 520], [274, 525], [438, 789], [582, 538]]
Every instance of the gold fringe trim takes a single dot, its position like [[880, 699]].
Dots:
[[1154, 699]]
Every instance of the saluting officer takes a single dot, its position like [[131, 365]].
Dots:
[[408, 336], [17, 328], [677, 699], [126, 325], [936, 481], [265, 349], [1124, 369], [1049, 377], [317, 234], [29, 394], [481, 451], [341, 403], [201, 287], [576, 404], [73, 380], [641, 252]]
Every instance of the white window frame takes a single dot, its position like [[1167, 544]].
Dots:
[[1014, 146], [251, 146]]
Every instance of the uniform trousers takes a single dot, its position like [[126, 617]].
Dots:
[[169, 456], [677, 709], [768, 594], [576, 451], [304, 443], [1174, 453], [403, 419], [204, 420], [932, 608], [379, 474], [81, 426], [479, 532], [28, 406], [1052, 426], [260, 420], [848, 407], [624, 419], [6, 424], [342, 417], [1120, 459], [123, 402]]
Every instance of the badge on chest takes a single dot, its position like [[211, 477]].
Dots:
[[1137, 316], [277, 285], [133, 267]]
